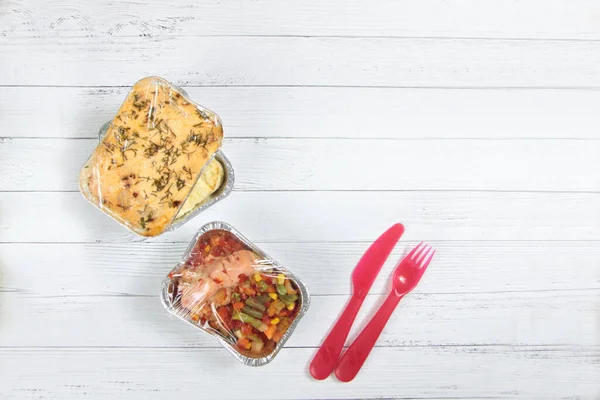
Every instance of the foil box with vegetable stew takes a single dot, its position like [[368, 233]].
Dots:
[[229, 288]]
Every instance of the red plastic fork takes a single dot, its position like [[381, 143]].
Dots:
[[406, 277]]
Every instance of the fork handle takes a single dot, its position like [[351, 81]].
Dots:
[[328, 354], [356, 355]]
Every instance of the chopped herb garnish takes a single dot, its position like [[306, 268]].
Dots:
[[152, 150], [146, 220], [188, 172], [198, 139], [180, 183], [143, 132], [140, 105], [160, 183]]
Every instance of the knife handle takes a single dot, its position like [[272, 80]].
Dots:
[[356, 355], [328, 354]]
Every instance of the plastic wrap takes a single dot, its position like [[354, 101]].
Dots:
[[194, 205], [226, 286], [158, 162]]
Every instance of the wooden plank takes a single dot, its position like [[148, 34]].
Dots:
[[309, 112], [422, 320], [408, 373], [333, 164], [137, 269], [260, 61], [324, 216], [574, 19]]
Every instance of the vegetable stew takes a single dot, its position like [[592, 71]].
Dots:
[[226, 287]]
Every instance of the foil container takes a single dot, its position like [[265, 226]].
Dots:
[[304, 295], [222, 192]]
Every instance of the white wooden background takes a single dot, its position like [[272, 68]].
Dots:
[[475, 123]]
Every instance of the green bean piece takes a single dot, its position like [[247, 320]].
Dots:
[[288, 298], [281, 289], [252, 312], [255, 323], [263, 299], [254, 303], [262, 286]]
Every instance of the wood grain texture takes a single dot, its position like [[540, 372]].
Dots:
[[473, 123], [324, 216], [333, 164], [137, 269], [565, 318], [300, 61], [408, 373], [562, 19], [329, 112]]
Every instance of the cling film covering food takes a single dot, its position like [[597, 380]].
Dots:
[[214, 184], [229, 288], [157, 152]]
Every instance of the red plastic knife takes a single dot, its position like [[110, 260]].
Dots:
[[363, 277]]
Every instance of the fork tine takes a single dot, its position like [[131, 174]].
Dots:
[[412, 252], [420, 247], [419, 260], [427, 261]]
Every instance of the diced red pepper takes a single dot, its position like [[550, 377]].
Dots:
[[195, 258], [225, 315], [235, 324]]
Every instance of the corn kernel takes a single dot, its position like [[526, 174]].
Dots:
[[257, 277], [280, 279], [273, 296], [291, 306], [275, 321], [248, 346], [207, 248]]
